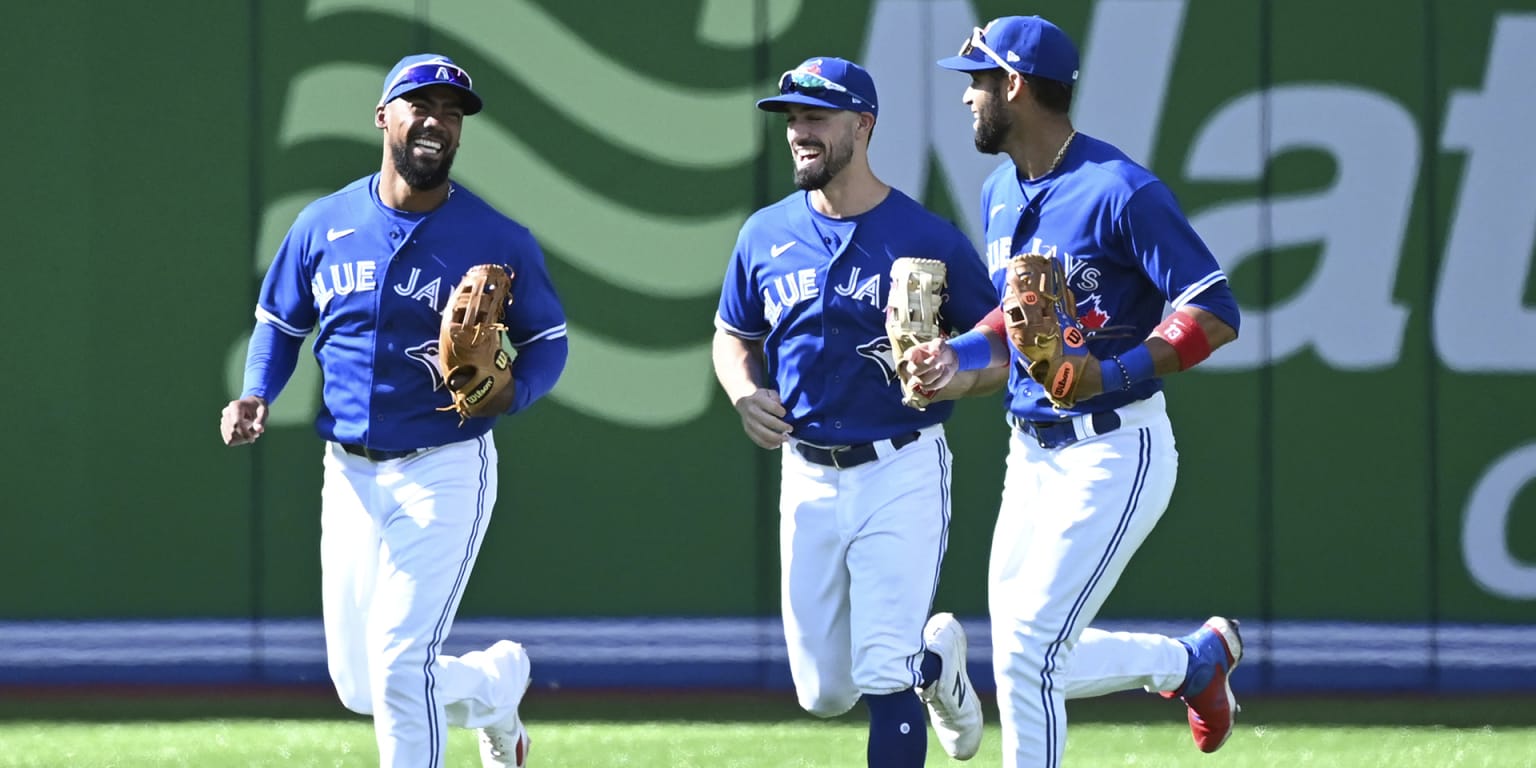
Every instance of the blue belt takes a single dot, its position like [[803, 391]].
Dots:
[[1060, 434], [849, 456], [373, 454]]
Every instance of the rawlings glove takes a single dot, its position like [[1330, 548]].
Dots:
[[912, 317], [470, 355], [1041, 314]]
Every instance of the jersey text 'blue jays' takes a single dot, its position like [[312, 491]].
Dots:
[[372, 281], [814, 288], [1127, 249]]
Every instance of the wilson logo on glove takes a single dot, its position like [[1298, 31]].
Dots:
[[1073, 337], [479, 393], [1065, 383]]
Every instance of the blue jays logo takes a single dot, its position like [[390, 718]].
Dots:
[[426, 353], [878, 350], [1094, 317]]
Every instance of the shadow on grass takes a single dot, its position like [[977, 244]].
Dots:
[[150, 703]]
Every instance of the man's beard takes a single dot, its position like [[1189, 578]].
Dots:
[[420, 174], [818, 175], [992, 126]]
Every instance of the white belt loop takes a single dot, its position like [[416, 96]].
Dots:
[[885, 449], [1082, 426]]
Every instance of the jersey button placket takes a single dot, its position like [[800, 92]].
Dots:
[[379, 359]]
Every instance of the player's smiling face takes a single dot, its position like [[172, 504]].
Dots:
[[422, 131], [821, 143]]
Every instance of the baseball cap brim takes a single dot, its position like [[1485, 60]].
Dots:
[[968, 64], [830, 100]]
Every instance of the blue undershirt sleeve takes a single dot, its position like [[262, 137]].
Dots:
[[269, 362], [538, 367]]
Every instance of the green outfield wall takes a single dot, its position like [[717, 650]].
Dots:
[[1364, 171]]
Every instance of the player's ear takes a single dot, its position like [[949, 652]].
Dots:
[[1014, 85], [378, 116], [866, 123]]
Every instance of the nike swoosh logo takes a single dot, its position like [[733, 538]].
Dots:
[[778, 249], [996, 208], [336, 234]]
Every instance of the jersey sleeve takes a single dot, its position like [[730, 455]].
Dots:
[[535, 324], [287, 298], [536, 313], [741, 311], [1171, 252]]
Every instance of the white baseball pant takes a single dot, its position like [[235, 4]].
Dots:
[[398, 541], [860, 551], [1070, 520]]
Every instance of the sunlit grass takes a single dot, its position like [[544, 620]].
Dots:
[[755, 732]]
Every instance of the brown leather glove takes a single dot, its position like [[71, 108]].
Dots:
[[470, 353], [1041, 314]]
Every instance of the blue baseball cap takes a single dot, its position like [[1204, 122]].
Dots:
[[828, 82], [424, 69], [1025, 44]]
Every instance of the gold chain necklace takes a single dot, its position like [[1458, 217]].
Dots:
[[1060, 154]]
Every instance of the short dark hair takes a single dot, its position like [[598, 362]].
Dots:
[[1054, 95]]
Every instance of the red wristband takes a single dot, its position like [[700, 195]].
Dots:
[[1187, 338], [995, 321]]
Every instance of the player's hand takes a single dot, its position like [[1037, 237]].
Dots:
[[762, 418], [243, 420], [933, 363]]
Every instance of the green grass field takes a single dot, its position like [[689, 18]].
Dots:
[[726, 731]]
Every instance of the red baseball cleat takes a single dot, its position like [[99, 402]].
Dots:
[[1214, 651]]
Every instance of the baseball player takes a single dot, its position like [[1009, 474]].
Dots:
[[801, 349], [1085, 484], [408, 491]]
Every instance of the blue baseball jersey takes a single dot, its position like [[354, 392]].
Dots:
[[372, 281], [814, 290], [1128, 251]]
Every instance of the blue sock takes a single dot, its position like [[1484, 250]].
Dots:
[[898, 730], [1196, 675], [933, 666]]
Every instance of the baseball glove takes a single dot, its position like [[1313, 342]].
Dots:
[[470, 355], [912, 317], [1041, 315]]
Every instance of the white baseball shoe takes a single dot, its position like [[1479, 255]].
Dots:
[[952, 703], [505, 744]]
